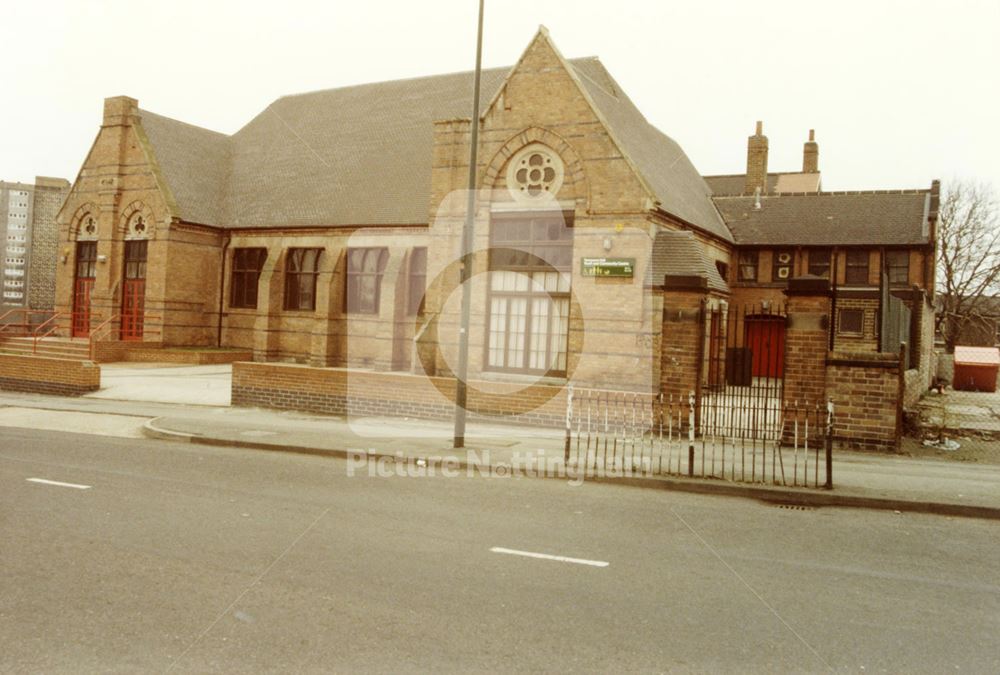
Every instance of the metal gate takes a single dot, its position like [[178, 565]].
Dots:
[[133, 290], [742, 392], [83, 283]]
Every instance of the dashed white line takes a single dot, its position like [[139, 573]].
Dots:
[[43, 481], [546, 556]]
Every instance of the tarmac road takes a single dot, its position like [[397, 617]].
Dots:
[[158, 556]]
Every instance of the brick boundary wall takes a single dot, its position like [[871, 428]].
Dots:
[[44, 375], [335, 391], [913, 388], [111, 351], [865, 388]]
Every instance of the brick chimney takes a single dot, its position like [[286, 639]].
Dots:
[[756, 161], [810, 154], [120, 110]]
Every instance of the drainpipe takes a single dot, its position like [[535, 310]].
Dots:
[[222, 288]]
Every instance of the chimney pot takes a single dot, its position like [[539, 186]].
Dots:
[[760, 128]]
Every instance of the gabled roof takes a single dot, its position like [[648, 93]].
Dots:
[[194, 162], [678, 186], [362, 155], [678, 253], [883, 218], [785, 181]]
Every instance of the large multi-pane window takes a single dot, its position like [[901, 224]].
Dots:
[[301, 270], [530, 272], [856, 270], [898, 267], [417, 282], [365, 267], [247, 264]]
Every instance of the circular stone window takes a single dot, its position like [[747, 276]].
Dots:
[[533, 172]]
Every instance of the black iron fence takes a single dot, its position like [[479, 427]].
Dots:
[[621, 433]]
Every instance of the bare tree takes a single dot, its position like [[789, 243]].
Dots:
[[968, 264]]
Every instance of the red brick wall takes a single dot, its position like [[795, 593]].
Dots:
[[680, 347], [806, 344], [42, 375], [865, 389], [340, 391]]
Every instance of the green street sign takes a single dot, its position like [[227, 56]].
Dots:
[[607, 267]]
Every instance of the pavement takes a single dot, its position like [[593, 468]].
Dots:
[[166, 383], [135, 556], [863, 480]]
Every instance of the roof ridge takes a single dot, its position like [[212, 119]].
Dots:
[[828, 193], [142, 112], [411, 79]]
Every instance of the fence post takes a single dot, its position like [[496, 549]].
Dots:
[[569, 422], [829, 445], [691, 418]]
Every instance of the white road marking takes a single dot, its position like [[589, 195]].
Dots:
[[57, 483], [546, 556]]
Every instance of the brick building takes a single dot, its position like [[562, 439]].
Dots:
[[30, 237], [326, 233]]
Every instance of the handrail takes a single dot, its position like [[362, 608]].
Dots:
[[106, 325], [94, 333], [25, 325], [35, 333]]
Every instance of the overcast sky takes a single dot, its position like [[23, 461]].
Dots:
[[899, 92]]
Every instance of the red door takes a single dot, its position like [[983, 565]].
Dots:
[[765, 337], [133, 290], [83, 283]]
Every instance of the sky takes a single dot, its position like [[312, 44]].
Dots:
[[899, 92]]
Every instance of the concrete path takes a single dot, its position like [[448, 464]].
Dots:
[[166, 383]]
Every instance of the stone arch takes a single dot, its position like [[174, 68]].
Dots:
[[136, 222], [575, 177], [84, 225]]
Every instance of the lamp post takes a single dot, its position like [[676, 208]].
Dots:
[[466, 262]]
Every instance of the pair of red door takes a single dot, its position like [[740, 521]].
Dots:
[[133, 288]]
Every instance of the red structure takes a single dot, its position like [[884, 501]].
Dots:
[[976, 368]]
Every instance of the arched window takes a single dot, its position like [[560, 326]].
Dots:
[[365, 267]]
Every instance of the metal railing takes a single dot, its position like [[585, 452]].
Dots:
[[613, 432], [107, 326], [25, 325]]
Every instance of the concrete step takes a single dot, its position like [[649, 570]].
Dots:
[[63, 348]]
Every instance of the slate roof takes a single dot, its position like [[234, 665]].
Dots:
[[679, 253], [883, 218], [781, 181], [362, 155]]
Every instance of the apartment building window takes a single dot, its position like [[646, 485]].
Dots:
[[247, 265], [301, 271], [898, 266], [748, 266], [857, 267], [851, 321], [365, 267], [819, 262], [529, 288], [417, 282]]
